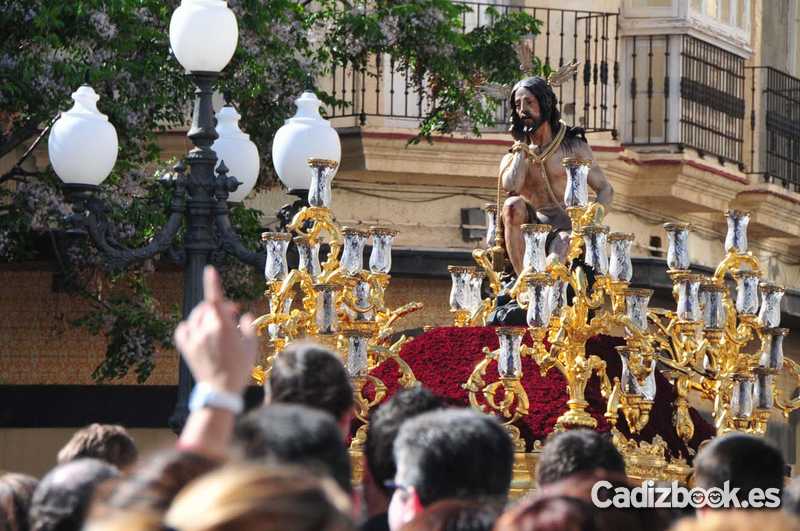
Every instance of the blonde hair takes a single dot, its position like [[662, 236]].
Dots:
[[249, 497], [135, 520]]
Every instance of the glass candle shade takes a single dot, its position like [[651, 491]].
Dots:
[[712, 297], [596, 256], [352, 260], [327, 321], [509, 364], [628, 381], [491, 224], [648, 386], [361, 299], [460, 288], [772, 348], [357, 363], [620, 267], [276, 244], [576, 192], [557, 296], [538, 304], [535, 237], [636, 302], [309, 256], [274, 330], [762, 390], [678, 245], [380, 259], [742, 397], [770, 313], [319, 190], [475, 285], [736, 238], [746, 292], [689, 297]]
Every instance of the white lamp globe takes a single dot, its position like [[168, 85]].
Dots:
[[203, 35], [83, 144], [238, 152], [306, 135]]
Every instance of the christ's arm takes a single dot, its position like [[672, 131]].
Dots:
[[513, 168]]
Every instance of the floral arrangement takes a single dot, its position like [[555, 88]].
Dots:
[[443, 358]]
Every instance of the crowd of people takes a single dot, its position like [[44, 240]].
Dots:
[[285, 466]]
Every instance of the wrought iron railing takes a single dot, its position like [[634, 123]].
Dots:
[[687, 92], [774, 126], [589, 100]]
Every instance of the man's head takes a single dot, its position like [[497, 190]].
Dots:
[[532, 103], [743, 461], [384, 424], [452, 453], [62, 497], [576, 451], [310, 375], [16, 491], [107, 442], [291, 434]]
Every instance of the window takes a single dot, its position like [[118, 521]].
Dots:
[[728, 12]]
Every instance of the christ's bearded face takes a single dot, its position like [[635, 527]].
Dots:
[[527, 107]]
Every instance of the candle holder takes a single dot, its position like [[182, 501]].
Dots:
[[319, 191], [485, 397], [678, 246], [576, 192], [535, 257]]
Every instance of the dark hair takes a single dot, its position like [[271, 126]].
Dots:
[[308, 374], [384, 423], [16, 491], [581, 486], [745, 461], [455, 515], [291, 434], [548, 105], [62, 497], [549, 513], [107, 442], [154, 484], [454, 453], [577, 451]]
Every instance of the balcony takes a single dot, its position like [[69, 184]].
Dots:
[[679, 105], [685, 92], [386, 95], [774, 127], [774, 154]]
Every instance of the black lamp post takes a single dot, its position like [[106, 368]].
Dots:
[[200, 196], [83, 149], [199, 199]]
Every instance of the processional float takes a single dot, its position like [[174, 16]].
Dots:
[[718, 342]]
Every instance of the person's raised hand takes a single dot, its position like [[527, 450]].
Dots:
[[219, 349]]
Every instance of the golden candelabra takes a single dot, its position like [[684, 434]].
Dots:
[[337, 301], [725, 348]]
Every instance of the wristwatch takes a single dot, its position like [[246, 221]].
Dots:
[[203, 395]]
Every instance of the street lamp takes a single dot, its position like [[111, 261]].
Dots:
[[235, 149], [83, 149], [304, 136]]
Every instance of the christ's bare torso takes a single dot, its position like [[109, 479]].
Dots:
[[546, 191]]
